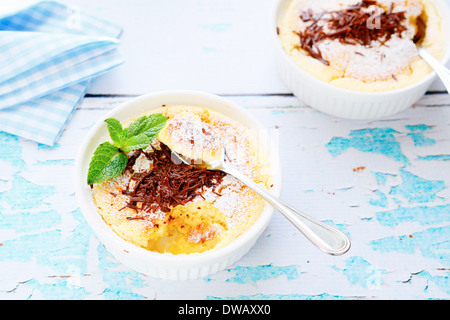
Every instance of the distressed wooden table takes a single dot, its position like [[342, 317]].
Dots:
[[385, 183]]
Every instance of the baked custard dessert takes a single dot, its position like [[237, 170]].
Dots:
[[363, 45], [164, 206]]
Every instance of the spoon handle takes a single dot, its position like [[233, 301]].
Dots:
[[439, 68], [325, 237]]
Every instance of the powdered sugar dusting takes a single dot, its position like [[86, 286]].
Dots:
[[150, 217], [191, 137], [378, 61], [236, 141], [234, 200], [230, 197], [370, 63], [203, 233]]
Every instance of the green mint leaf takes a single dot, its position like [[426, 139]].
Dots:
[[140, 141], [108, 162], [124, 133], [115, 131], [149, 125], [155, 123], [137, 126]]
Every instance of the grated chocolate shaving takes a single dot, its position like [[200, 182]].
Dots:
[[168, 184], [350, 26]]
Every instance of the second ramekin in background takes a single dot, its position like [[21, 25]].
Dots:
[[341, 102]]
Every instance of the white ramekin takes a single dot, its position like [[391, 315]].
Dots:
[[342, 102], [166, 265]]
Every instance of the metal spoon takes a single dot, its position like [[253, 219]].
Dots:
[[324, 236], [442, 72]]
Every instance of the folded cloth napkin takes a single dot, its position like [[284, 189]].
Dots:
[[49, 52]]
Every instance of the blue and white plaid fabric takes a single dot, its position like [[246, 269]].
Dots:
[[48, 54]]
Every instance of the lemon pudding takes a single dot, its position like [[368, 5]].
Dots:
[[363, 45], [170, 207]]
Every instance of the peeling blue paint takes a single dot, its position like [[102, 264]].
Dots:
[[26, 221], [423, 215], [416, 189], [433, 243], [50, 248], [440, 157], [119, 293], [418, 137], [382, 177], [378, 140], [260, 296], [244, 275], [46, 147], [380, 201], [24, 247], [418, 128], [359, 271], [11, 151], [24, 195], [120, 283], [442, 282], [61, 288], [63, 162]]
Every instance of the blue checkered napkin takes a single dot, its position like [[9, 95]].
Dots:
[[48, 54]]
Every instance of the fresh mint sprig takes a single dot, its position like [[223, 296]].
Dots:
[[109, 160]]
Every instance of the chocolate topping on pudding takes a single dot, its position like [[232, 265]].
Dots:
[[167, 184], [353, 25]]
